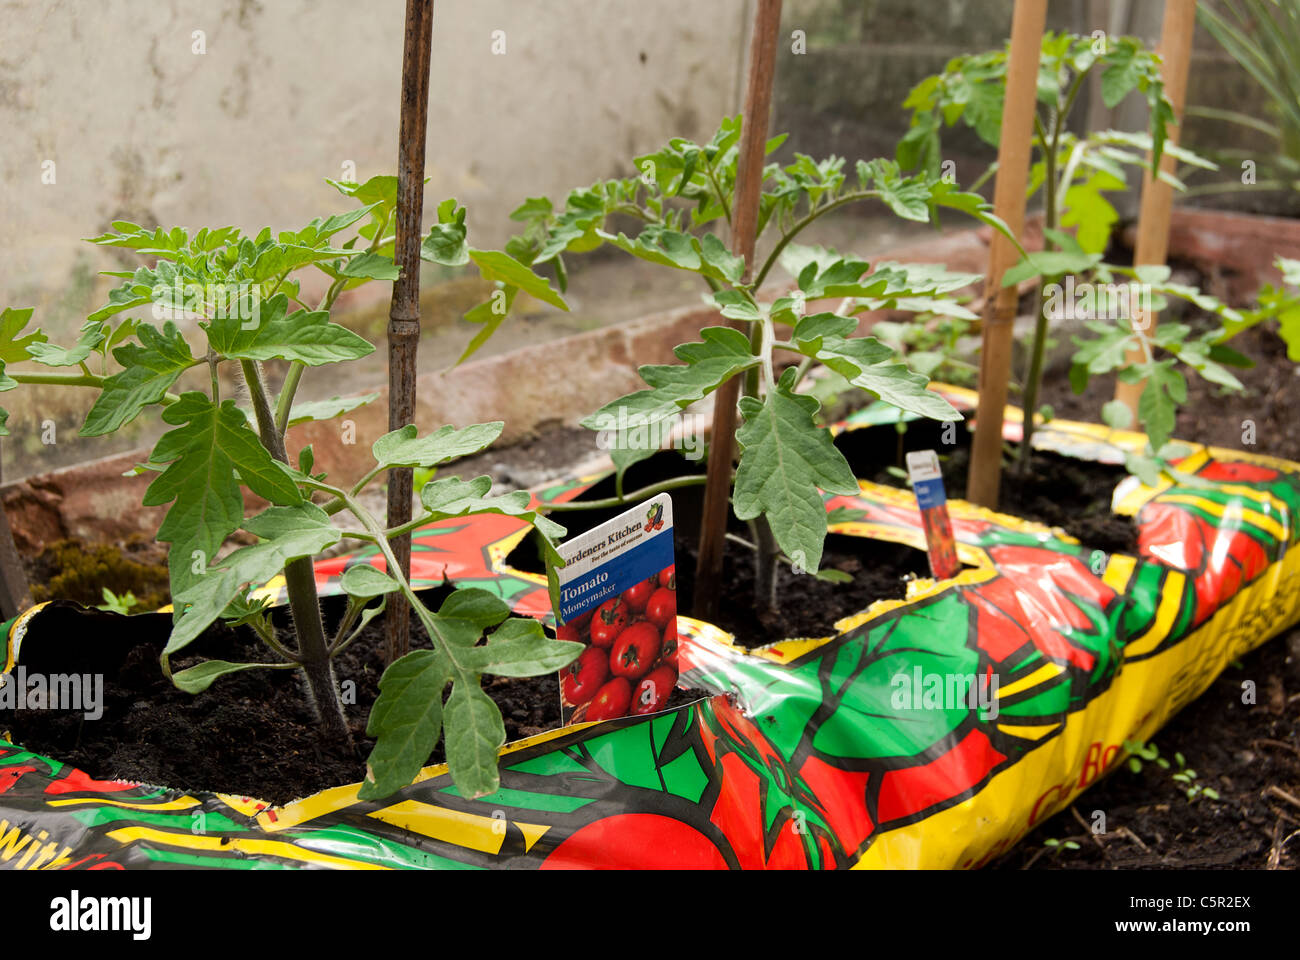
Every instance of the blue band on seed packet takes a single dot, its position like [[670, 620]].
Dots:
[[927, 480], [605, 561]]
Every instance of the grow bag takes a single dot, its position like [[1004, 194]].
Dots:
[[804, 757]]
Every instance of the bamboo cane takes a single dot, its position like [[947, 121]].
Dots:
[[744, 227], [1009, 203], [1157, 196], [404, 312]]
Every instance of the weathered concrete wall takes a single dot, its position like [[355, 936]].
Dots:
[[141, 126]]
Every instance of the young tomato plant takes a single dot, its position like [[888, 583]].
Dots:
[[787, 461], [1166, 349], [238, 294], [1074, 172]]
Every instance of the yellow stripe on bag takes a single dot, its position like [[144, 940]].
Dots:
[[469, 830], [1119, 571], [1171, 601], [1028, 732], [1047, 671], [184, 803], [1219, 510], [213, 844]]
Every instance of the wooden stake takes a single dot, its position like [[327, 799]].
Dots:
[[1158, 196], [1009, 204], [404, 313], [744, 235]]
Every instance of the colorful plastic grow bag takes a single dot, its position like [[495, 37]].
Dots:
[[804, 758]]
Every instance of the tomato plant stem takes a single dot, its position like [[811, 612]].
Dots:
[[300, 584], [676, 483], [1051, 146]]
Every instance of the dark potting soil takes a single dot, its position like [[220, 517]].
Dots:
[[1058, 491], [251, 733]]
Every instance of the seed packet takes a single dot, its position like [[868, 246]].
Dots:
[[927, 484], [618, 597]]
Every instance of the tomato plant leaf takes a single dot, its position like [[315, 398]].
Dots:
[[786, 459], [52, 355], [405, 448], [327, 409], [150, 368], [869, 365], [199, 677], [409, 715], [363, 582], [496, 265], [723, 353], [306, 336], [371, 265], [286, 533], [453, 497], [446, 242], [13, 348], [204, 450]]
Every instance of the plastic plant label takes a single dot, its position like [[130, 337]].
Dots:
[[927, 484], [618, 596]]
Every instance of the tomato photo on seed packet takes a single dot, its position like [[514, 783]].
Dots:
[[662, 607], [581, 679], [635, 651], [653, 690], [638, 595], [610, 619], [629, 624], [611, 701]]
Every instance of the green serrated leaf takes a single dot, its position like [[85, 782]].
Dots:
[[150, 369], [866, 363], [496, 265], [405, 448], [203, 452], [448, 497], [371, 265], [723, 353], [1116, 415], [198, 678], [306, 336], [786, 459], [327, 409], [446, 242], [409, 716], [91, 337], [287, 533], [13, 348], [521, 648]]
